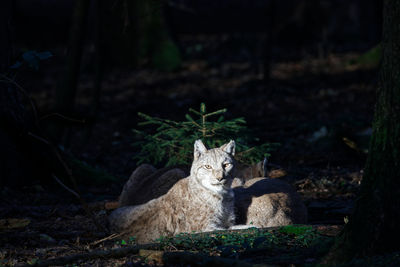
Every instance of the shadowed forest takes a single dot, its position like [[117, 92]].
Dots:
[[302, 76]]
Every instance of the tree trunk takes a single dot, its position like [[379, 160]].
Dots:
[[66, 91], [135, 32], [269, 40], [373, 227], [6, 30], [65, 96]]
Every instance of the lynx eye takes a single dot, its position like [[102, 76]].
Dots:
[[226, 165], [207, 166]]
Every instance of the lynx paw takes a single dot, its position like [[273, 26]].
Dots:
[[241, 227]]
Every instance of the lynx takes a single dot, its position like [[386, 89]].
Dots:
[[163, 202], [264, 202], [203, 201]]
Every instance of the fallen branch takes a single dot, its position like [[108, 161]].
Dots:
[[181, 258], [113, 253], [199, 259]]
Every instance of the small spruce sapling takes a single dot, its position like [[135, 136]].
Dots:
[[171, 142]]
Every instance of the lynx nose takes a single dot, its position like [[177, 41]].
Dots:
[[219, 175], [219, 178]]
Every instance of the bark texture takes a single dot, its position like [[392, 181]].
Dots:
[[373, 227]]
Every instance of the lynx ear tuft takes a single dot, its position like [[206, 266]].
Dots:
[[229, 147], [199, 148]]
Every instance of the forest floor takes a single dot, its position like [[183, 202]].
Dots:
[[318, 109]]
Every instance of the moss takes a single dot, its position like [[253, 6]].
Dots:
[[371, 58]]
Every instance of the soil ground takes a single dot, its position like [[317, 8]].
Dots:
[[318, 109]]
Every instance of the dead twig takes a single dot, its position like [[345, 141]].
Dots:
[[78, 195], [110, 237], [24, 92], [39, 138], [65, 187], [62, 117]]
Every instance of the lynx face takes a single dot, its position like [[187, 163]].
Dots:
[[213, 168]]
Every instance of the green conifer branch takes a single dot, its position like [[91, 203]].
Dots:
[[171, 142]]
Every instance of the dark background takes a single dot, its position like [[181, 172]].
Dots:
[[291, 68]]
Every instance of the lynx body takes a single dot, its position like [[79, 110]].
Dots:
[[264, 202], [204, 201]]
